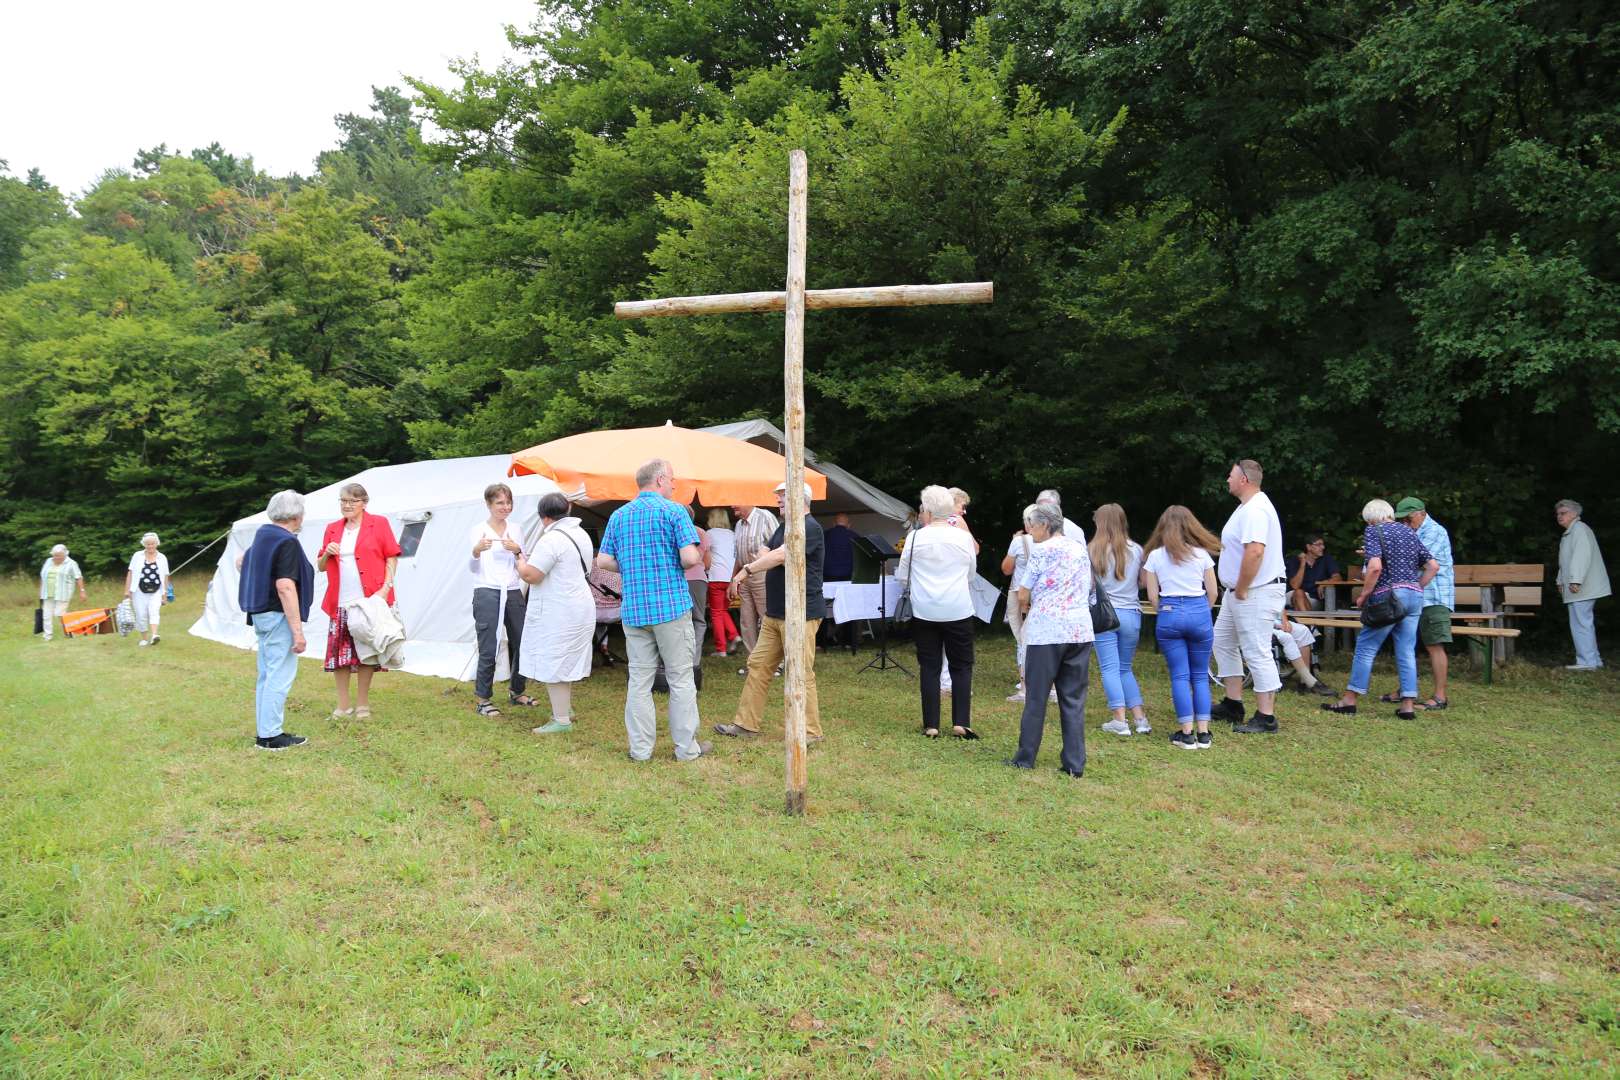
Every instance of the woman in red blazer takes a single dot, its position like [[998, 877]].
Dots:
[[359, 554]]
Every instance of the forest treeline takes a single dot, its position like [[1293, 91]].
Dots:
[[1375, 246]]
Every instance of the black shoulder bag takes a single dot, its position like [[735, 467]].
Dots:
[[1381, 608]]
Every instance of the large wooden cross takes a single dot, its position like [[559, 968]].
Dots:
[[795, 300]]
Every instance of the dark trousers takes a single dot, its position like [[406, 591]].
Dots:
[[938, 643], [1067, 668], [486, 613]]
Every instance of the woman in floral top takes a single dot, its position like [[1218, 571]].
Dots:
[[1397, 562], [1055, 591]]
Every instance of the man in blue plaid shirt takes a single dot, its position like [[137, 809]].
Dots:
[[650, 542]]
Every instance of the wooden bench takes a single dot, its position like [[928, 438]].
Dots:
[[1496, 593], [1483, 636]]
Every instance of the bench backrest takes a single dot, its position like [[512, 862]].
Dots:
[[1501, 573], [1521, 595]]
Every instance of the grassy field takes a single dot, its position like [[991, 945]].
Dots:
[[431, 893]]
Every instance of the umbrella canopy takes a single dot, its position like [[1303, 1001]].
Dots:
[[601, 465]]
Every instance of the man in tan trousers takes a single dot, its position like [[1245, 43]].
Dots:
[[769, 568]]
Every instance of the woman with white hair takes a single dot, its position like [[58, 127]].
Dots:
[[1398, 568], [56, 581], [1054, 589], [146, 583], [1582, 581], [937, 566]]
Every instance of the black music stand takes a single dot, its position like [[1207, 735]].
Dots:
[[881, 551]]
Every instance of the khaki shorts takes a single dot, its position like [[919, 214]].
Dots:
[[1434, 625]]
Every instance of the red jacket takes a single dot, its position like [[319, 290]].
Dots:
[[372, 548]]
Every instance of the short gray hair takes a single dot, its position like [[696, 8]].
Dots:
[[152, 537], [1568, 504], [1029, 514], [1377, 510], [1046, 515], [937, 502], [1050, 497], [553, 505], [285, 506], [59, 547], [649, 473]]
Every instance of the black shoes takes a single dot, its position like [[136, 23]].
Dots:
[[285, 741], [1184, 740], [1228, 710], [1261, 724], [1206, 740]]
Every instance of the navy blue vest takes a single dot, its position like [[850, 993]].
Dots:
[[257, 589]]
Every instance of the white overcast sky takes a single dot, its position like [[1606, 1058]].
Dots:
[[84, 84]]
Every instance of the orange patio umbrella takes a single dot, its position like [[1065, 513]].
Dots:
[[601, 465]]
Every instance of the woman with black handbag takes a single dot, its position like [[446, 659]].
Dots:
[[1391, 602]]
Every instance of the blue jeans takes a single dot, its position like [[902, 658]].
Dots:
[[1186, 635], [278, 666], [1115, 651], [1404, 631], [1583, 631]]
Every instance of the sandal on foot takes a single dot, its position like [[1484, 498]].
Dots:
[[964, 733], [486, 708], [523, 699], [1434, 704], [342, 714], [362, 712], [1342, 710]]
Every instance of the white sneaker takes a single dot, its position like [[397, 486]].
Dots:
[[1582, 667], [143, 643], [1143, 727], [1117, 727], [1016, 695]]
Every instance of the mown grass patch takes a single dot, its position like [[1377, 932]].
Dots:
[[432, 893]]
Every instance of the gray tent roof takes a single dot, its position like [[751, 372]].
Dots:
[[846, 492]]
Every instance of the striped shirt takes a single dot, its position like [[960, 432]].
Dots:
[[645, 536]]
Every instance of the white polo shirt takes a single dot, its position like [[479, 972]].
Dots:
[[1252, 522]]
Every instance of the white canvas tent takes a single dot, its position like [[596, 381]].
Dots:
[[870, 510], [433, 507]]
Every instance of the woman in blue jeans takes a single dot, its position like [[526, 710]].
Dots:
[[1117, 560], [1397, 562], [1180, 579]]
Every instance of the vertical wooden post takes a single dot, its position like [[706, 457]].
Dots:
[[795, 645]]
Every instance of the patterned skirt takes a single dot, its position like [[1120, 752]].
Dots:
[[340, 652]]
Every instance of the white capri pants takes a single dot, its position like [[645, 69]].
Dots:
[[1243, 635], [1295, 638], [148, 608]]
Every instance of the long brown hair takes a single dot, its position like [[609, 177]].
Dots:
[[1179, 531], [1110, 545]]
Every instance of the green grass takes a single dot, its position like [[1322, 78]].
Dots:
[[431, 893]]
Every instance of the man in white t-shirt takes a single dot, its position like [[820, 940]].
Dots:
[[1255, 584]]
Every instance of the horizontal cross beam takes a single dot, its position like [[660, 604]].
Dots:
[[974, 292]]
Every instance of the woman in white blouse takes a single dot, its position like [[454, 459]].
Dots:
[[498, 599], [561, 615], [147, 586], [937, 567]]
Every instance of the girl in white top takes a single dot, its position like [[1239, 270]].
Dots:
[[1180, 580], [147, 585], [1117, 561]]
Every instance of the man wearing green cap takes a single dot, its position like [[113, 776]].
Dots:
[[1439, 595]]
